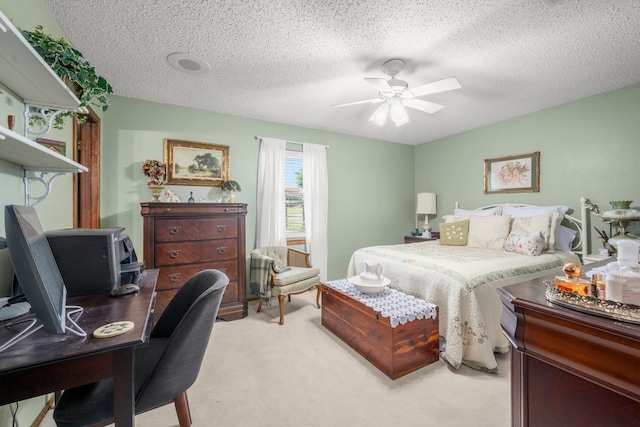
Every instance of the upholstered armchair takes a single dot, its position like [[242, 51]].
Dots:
[[282, 272]]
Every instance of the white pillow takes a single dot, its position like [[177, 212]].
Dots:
[[478, 212], [518, 211], [454, 218], [564, 238], [488, 231], [521, 242], [544, 224]]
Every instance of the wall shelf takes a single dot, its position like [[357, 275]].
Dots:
[[25, 73], [17, 149]]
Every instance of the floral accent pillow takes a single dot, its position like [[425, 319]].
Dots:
[[454, 233], [545, 224], [522, 242]]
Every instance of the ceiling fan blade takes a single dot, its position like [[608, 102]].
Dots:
[[372, 101], [440, 86], [380, 84], [422, 105]]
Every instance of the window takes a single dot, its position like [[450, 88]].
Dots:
[[293, 196]]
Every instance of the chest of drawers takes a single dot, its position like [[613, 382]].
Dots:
[[181, 239]]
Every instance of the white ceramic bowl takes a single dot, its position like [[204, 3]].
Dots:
[[368, 288]]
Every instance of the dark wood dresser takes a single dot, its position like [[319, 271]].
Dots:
[[181, 239], [569, 368]]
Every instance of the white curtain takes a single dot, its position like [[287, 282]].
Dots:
[[316, 204], [271, 217]]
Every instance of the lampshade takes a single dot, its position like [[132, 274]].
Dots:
[[231, 187], [391, 108], [379, 116], [426, 204], [398, 113]]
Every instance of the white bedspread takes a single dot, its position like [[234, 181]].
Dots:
[[462, 281]]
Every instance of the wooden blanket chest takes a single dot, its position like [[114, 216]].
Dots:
[[395, 351]]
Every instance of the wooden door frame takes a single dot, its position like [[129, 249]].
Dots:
[[86, 185]]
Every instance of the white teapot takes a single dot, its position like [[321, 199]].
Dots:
[[372, 274]]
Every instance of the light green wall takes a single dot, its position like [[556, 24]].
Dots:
[[371, 195], [587, 148]]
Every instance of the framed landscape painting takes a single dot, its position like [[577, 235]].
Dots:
[[196, 163], [512, 174]]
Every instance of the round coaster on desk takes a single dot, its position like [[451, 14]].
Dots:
[[113, 329]]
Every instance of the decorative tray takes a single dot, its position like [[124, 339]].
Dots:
[[592, 305]]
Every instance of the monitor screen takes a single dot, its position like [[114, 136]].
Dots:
[[35, 267]]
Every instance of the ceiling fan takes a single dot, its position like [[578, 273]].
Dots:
[[395, 95]]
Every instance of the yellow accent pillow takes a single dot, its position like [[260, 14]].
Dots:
[[454, 233]]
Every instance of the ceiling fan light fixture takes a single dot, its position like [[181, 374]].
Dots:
[[398, 113], [396, 95], [379, 116]]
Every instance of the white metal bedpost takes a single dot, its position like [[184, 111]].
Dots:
[[586, 243]]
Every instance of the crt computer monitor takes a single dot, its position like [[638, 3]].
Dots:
[[35, 267]]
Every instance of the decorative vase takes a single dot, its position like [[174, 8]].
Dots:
[[156, 191]]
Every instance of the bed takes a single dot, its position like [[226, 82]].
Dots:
[[462, 278]]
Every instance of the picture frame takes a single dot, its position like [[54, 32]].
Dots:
[[512, 174], [57, 146], [196, 163]]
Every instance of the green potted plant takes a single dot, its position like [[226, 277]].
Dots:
[[71, 66]]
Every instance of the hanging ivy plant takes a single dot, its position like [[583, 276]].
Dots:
[[71, 66]]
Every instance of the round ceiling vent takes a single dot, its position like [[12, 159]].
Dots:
[[188, 63]]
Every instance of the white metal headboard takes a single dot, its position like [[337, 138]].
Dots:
[[581, 243]]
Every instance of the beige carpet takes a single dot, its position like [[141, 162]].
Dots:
[[257, 373]]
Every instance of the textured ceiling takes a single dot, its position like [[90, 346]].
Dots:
[[288, 61]]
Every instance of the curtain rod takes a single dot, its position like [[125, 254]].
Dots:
[[293, 142]]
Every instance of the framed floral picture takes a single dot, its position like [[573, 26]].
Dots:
[[196, 163], [512, 174]]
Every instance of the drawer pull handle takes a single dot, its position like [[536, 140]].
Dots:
[[221, 228], [174, 277], [174, 253], [167, 209], [224, 270], [222, 249], [174, 230]]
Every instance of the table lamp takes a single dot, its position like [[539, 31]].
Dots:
[[231, 187], [623, 215], [426, 205]]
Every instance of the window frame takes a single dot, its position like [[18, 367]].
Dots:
[[295, 238]]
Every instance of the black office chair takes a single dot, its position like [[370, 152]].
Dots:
[[166, 367]]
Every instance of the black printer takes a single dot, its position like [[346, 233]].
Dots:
[[94, 261]]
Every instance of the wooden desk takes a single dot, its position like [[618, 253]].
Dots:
[[569, 368], [44, 363]]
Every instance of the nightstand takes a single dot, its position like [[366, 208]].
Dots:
[[414, 239], [589, 258]]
